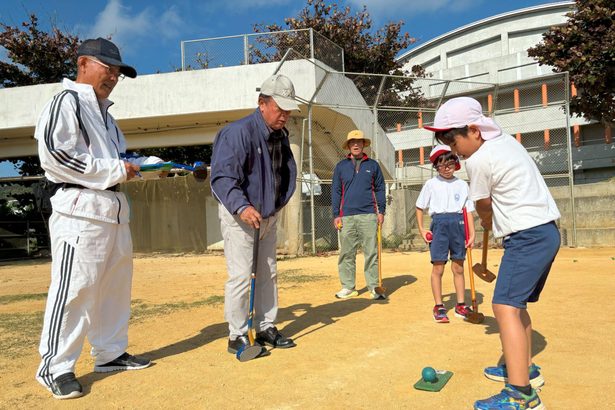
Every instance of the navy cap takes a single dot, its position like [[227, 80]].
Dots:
[[107, 52]]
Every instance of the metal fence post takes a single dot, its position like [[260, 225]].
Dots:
[[311, 162], [570, 168], [183, 53], [312, 43], [375, 112], [246, 50]]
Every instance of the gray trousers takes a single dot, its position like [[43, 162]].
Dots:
[[358, 230], [238, 247]]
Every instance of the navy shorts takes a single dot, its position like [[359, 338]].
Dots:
[[448, 236], [527, 260]]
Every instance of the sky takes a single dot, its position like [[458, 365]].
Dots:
[[149, 32]]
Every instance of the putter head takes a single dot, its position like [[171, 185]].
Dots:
[[200, 171], [249, 352], [475, 318], [381, 291], [483, 273]]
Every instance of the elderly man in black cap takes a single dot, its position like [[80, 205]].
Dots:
[[82, 152]]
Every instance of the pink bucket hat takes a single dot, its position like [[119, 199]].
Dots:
[[461, 111]]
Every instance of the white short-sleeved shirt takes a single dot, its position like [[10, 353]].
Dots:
[[443, 195], [503, 170]]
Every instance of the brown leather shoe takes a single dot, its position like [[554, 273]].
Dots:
[[274, 338]]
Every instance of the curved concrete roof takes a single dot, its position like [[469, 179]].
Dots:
[[511, 15]]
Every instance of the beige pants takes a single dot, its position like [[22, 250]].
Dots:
[[238, 248]]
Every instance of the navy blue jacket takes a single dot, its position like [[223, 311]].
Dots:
[[355, 193], [241, 169]]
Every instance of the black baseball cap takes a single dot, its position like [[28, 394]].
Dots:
[[107, 52]]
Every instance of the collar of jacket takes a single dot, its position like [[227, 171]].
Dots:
[[86, 91], [363, 158]]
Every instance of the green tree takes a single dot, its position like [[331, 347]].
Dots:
[[36, 57], [585, 47], [39, 57], [366, 50]]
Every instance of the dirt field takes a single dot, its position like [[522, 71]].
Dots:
[[351, 354]]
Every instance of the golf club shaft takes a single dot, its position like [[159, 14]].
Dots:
[[253, 284], [485, 248], [379, 256], [469, 253]]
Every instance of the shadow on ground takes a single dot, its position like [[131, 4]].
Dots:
[[301, 317]]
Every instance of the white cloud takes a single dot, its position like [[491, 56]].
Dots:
[[390, 9], [241, 6], [128, 29], [251, 4]]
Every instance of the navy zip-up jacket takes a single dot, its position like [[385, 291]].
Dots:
[[241, 169], [355, 193]]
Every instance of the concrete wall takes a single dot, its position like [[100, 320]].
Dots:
[[486, 49]]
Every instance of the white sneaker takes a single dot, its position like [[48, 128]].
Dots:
[[377, 296], [346, 293]]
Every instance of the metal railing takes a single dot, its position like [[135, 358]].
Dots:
[[258, 48]]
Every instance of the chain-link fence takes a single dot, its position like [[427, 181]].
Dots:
[[392, 110], [258, 48]]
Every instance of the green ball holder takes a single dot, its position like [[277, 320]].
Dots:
[[443, 376]]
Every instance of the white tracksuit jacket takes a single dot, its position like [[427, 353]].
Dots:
[[91, 271]]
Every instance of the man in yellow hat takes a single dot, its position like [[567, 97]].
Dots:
[[358, 202]]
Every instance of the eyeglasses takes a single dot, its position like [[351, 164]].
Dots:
[[110, 70], [448, 165]]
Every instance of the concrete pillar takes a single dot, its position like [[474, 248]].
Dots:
[[293, 221]]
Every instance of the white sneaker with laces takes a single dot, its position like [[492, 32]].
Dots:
[[377, 296], [346, 293]]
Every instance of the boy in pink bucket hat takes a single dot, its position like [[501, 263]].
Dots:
[[445, 196], [513, 200]]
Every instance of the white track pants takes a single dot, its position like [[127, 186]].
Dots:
[[89, 294], [238, 247]]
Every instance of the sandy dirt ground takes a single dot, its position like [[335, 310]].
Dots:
[[356, 353]]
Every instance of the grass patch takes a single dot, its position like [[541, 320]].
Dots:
[[141, 310], [20, 333], [297, 276], [6, 299]]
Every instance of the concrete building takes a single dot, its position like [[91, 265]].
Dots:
[[189, 107], [494, 51]]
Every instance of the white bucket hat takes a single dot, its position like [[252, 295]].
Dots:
[[462, 111]]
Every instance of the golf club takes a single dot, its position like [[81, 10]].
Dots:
[[474, 317], [380, 290], [480, 269], [253, 350]]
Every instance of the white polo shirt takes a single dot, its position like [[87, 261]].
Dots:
[[503, 170], [443, 195]]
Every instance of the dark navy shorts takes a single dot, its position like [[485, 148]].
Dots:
[[448, 236], [527, 260]]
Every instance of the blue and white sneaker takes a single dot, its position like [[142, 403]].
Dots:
[[499, 374], [510, 399]]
